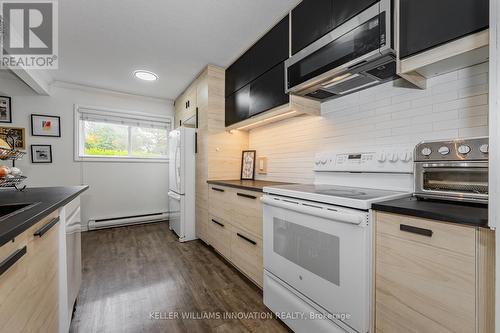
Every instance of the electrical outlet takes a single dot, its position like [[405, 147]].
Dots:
[[262, 165]]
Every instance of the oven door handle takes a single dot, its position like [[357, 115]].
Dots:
[[319, 212]]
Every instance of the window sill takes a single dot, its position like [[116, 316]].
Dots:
[[120, 159]]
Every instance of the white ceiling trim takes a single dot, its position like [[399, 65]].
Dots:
[[77, 86]]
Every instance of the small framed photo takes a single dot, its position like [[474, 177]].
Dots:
[[14, 136], [41, 154], [42, 125], [5, 109], [248, 165]]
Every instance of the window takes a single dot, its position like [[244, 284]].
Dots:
[[113, 135]]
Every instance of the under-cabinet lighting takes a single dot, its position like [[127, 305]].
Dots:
[[267, 119]]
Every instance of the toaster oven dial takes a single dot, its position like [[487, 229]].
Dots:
[[444, 150], [485, 149], [426, 151], [464, 149]]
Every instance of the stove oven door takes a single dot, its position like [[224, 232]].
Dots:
[[323, 252]]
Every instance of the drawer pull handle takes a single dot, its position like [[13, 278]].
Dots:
[[415, 230], [40, 232], [247, 239], [218, 223], [246, 195], [12, 259], [217, 189]]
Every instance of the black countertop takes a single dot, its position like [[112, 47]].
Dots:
[[251, 185], [455, 212], [47, 200]]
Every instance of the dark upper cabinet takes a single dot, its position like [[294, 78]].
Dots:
[[268, 91], [240, 73], [260, 95], [267, 52], [428, 23], [238, 106], [311, 19]]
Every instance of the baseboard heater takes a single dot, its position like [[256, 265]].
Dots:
[[126, 220]]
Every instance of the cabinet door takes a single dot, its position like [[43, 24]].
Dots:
[[240, 73], [238, 106], [311, 19], [268, 91], [29, 288], [428, 23], [266, 53], [272, 49], [425, 275], [344, 10]]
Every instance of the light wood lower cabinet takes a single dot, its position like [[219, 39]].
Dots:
[[29, 287], [235, 228], [246, 254], [219, 234], [432, 276]]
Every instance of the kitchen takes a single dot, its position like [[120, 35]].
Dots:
[[324, 168]]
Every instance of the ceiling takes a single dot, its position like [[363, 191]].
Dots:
[[101, 42]]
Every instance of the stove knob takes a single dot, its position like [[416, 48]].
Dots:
[[485, 149], [426, 151], [444, 150], [381, 157], [405, 156], [464, 149]]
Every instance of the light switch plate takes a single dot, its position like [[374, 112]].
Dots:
[[262, 165]]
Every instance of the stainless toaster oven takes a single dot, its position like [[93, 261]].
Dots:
[[452, 170]]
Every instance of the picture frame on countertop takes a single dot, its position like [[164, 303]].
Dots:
[[41, 154], [14, 136], [45, 125], [248, 165], [5, 110]]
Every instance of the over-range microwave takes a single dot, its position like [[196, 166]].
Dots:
[[356, 55]]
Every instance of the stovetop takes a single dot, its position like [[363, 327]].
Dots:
[[352, 197]]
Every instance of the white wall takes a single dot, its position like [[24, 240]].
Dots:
[[116, 189], [454, 105]]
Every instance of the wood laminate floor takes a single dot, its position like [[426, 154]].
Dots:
[[132, 275]]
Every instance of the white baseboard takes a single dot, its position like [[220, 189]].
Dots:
[[95, 224]]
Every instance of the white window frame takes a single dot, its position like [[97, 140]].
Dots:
[[78, 142]]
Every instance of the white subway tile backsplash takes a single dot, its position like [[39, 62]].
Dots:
[[454, 105]]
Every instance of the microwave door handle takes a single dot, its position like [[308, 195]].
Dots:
[[319, 212]]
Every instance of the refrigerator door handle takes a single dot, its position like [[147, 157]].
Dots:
[[174, 195]]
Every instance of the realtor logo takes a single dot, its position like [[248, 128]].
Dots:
[[29, 34]]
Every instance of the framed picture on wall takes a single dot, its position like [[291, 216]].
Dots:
[[41, 154], [14, 136], [248, 165], [5, 109], [43, 125]]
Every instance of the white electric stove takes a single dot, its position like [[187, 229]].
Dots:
[[318, 239], [352, 197]]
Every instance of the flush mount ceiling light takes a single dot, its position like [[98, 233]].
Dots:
[[145, 75]]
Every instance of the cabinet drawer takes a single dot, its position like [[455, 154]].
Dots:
[[25, 237], [220, 202], [452, 237], [246, 254], [219, 235], [247, 211]]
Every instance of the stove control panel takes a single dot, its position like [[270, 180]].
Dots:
[[379, 160]]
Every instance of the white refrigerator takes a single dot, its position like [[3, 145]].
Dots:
[[181, 194]]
